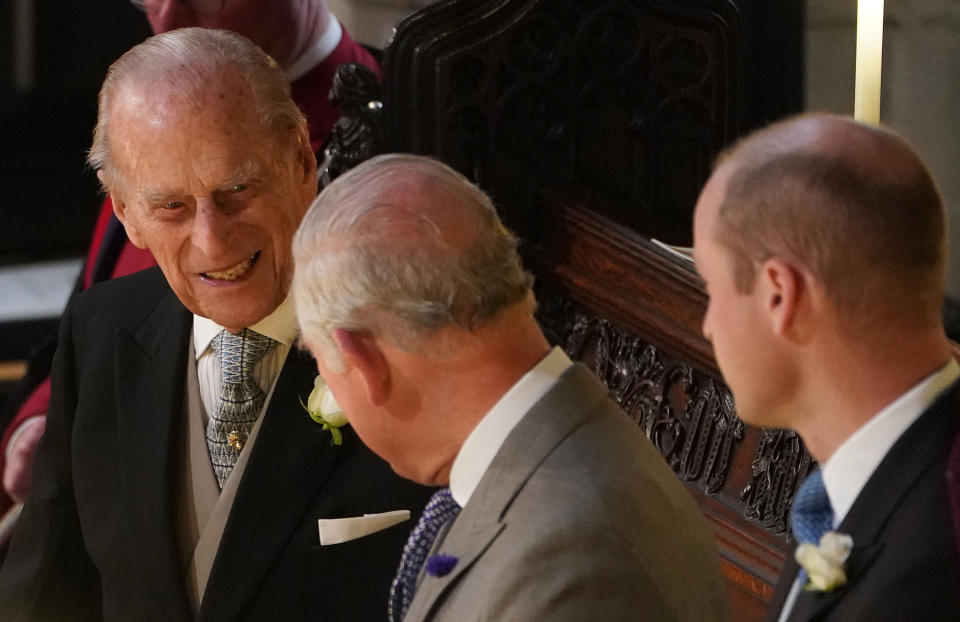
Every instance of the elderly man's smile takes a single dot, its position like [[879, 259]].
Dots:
[[233, 272]]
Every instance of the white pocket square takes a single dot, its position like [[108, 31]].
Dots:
[[337, 530]]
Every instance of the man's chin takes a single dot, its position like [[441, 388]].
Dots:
[[235, 325], [235, 306], [423, 476], [238, 316]]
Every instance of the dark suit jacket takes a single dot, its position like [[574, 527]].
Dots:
[[577, 518], [96, 537], [904, 563]]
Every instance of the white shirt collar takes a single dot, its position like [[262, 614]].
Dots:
[[281, 326], [317, 52], [485, 440], [846, 472]]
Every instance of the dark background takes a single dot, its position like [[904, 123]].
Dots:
[[49, 196]]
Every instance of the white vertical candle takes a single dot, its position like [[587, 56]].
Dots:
[[866, 105]]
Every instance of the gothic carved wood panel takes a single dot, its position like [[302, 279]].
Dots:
[[519, 93], [687, 414]]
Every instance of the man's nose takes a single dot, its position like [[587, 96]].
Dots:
[[212, 228]]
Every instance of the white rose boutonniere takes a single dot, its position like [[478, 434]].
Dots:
[[323, 408], [824, 564]]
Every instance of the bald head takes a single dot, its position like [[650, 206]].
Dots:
[[852, 203], [870, 149], [186, 71], [404, 246]]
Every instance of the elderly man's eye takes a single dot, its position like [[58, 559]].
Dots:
[[238, 188], [173, 204]]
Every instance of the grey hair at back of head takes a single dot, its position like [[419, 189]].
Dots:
[[371, 254], [182, 63]]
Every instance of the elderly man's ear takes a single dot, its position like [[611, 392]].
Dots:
[[360, 350], [120, 209]]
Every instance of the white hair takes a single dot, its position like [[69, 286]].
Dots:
[[369, 257], [185, 61]]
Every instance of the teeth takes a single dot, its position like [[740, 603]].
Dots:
[[235, 272]]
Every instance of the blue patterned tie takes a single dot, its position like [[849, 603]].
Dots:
[[811, 515], [241, 398], [439, 511]]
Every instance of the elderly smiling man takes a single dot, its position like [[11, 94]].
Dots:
[[309, 43], [410, 292], [179, 477]]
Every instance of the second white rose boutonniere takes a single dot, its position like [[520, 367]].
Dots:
[[824, 564], [323, 408]]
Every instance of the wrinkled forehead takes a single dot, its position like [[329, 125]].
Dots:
[[162, 144], [166, 117], [183, 93]]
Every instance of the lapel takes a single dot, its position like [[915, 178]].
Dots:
[[558, 413], [291, 460], [918, 450], [150, 373]]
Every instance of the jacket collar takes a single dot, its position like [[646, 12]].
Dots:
[[552, 419]]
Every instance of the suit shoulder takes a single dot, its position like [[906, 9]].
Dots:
[[919, 527], [625, 532], [134, 296], [601, 459]]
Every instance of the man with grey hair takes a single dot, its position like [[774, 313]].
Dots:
[[179, 478], [554, 505]]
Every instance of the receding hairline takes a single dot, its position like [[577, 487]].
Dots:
[[871, 149], [136, 103], [139, 96], [185, 63]]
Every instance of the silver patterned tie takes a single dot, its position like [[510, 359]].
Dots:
[[241, 398]]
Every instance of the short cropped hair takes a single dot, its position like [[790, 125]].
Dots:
[[184, 62], [871, 240], [367, 259]]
